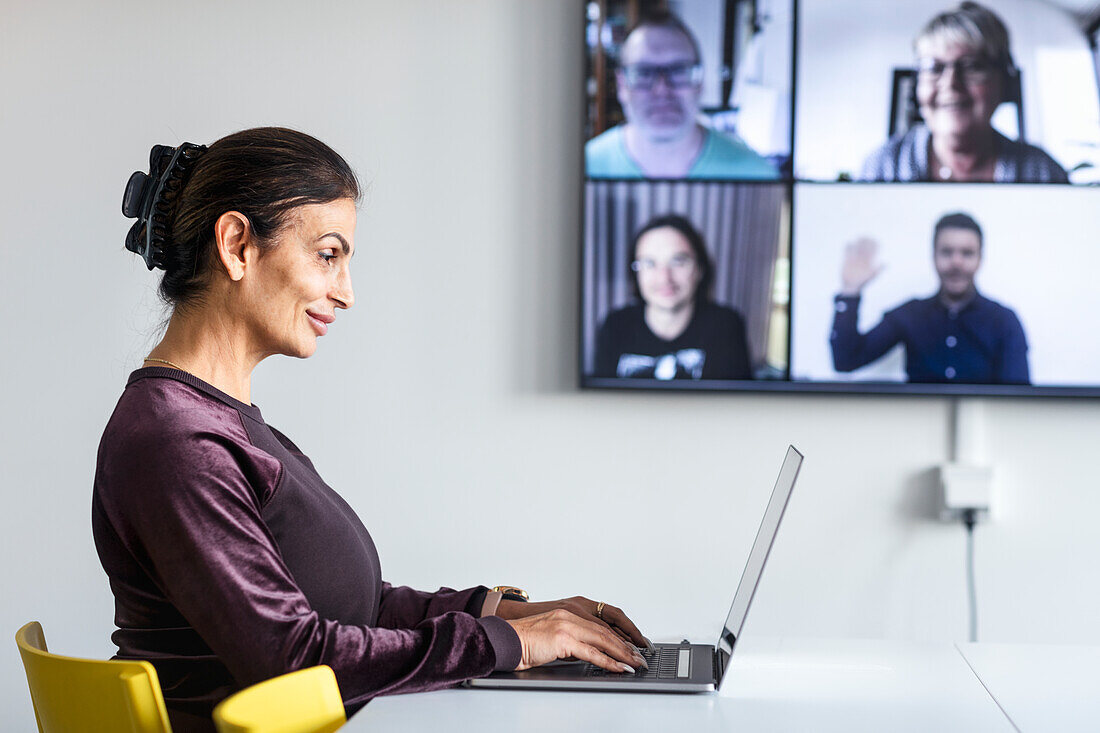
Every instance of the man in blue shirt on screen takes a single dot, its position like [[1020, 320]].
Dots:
[[956, 336], [659, 83]]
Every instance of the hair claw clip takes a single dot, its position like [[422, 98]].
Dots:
[[144, 190]]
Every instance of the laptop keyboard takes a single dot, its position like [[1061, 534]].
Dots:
[[666, 662]]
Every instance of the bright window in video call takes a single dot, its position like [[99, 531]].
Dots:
[[841, 195]]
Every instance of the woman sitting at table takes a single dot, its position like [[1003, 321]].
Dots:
[[230, 559], [964, 67], [676, 331]]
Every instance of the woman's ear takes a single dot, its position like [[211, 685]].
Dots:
[[232, 237]]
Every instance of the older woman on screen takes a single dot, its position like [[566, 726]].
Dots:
[[963, 70], [230, 559], [676, 331]]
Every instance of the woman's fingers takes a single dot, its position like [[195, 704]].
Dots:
[[586, 609], [612, 633], [613, 618], [560, 634], [610, 617], [619, 620], [591, 654], [590, 634]]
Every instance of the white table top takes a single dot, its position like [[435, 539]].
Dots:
[[1041, 687], [772, 685]]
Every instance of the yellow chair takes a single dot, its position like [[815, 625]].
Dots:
[[306, 701], [88, 695]]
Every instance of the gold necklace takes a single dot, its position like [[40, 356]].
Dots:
[[165, 361]]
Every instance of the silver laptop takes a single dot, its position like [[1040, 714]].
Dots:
[[683, 667]]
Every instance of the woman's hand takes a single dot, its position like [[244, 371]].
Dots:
[[559, 634], [610, 618], [860, 266]]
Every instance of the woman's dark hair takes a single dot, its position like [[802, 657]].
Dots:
[[263, 173], [698, 249]]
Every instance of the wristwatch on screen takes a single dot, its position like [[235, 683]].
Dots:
[[512, 593]]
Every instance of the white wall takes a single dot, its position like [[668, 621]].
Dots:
[[443, 406], [703, 18]]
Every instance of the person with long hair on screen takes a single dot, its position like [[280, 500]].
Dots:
[[964, 69], [230, 559], [676, 331]]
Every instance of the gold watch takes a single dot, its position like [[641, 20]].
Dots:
[[512, 593]]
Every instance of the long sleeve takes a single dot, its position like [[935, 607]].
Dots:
[[1012, 365], [850, 348], [199, 529], [402, 607], [211, 552]]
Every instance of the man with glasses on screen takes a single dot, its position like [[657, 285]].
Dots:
[[659, 84], [956, 336]]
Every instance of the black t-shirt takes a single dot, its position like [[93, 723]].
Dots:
[[713, 346]]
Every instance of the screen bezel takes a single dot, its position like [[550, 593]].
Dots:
[[787, 385]]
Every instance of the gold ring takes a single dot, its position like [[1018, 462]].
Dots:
[[599, 610]]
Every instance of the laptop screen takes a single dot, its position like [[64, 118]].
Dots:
[[765, 536]]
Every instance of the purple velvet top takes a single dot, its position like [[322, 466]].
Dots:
[[231, 562]]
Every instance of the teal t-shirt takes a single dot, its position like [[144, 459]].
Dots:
[[605, 156]]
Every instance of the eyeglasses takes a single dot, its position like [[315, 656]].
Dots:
[[642, 77], [972, 69], [679, 263]]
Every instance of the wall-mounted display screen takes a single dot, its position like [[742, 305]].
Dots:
[[840, 195]]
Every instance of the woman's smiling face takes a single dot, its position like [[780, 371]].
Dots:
[[957, 88], [296, 286]]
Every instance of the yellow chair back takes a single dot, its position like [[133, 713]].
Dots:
[[88, 695], [306, 701]]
